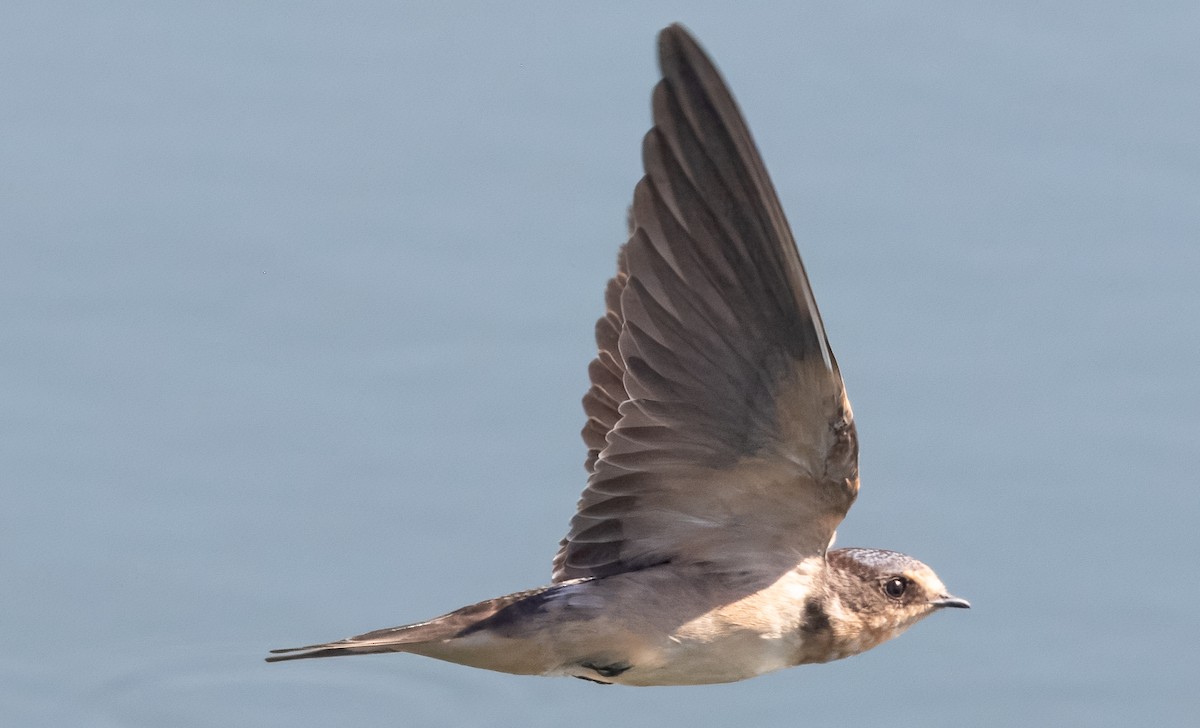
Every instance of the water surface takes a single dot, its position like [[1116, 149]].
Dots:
[[297, 306]]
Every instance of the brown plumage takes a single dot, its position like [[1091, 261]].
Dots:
[[722, 452], [710, 318]]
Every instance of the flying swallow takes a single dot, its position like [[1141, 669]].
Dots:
[[722, 451]]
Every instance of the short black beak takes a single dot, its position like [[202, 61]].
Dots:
[[946, 600]]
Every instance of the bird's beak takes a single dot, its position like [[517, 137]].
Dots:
[[946, 600]]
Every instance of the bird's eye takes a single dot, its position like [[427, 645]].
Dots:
[[895, 587]]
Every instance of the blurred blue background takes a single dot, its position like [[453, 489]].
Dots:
[[297, 301]]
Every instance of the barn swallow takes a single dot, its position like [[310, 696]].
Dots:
[[722, 451]]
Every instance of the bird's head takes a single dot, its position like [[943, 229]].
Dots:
[[886, 592]]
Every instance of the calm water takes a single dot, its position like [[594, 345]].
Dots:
[[297, 305]]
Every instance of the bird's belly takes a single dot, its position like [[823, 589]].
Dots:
[[680, 631], [684, 660]]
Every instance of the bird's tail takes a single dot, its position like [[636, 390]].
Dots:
[[417, 637], [392, 639]]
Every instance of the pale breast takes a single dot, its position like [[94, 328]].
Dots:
[[679, 631]]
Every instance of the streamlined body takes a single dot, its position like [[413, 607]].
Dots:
[[722, 452]]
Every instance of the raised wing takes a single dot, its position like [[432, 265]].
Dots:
[[718, 426]]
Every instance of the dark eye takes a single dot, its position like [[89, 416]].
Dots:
[[895, 587]]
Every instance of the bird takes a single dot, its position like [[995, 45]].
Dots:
[[722, 449]]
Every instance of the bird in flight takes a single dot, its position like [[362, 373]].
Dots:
[[722, 452]]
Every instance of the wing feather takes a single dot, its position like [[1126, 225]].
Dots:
[[718, 428]]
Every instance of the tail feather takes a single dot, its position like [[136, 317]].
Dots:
[[492, 613], [392, 639]]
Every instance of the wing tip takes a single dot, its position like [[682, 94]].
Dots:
[[677, 46], [673, 36]]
